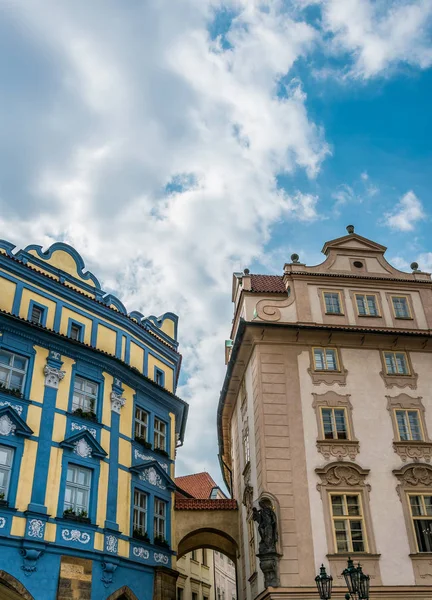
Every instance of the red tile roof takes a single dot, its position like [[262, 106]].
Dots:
[[267, 283], [205, 504], [199, 485]]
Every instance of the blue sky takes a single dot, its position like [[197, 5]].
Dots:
[[189, 139]]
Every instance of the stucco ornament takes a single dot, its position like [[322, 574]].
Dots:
[[2, 522], [6, 426], [343, 475], [141, 553], [79, 427], [144, 457], [36, 528], [161, 558], [152, 477], [117, 402], [75, 535], [53, 376], [417, 476], [111, 544], [16, 407], [82, 448]]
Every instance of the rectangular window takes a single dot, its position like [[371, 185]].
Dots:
[[252, 549], [159, 434], [409, 427], [246, 445], [325, 359], [13, 369], [77, 493], [204, 557], [400, 307], [37, 314], [396, 363], [180, 594], [348, 524], [159, 377], [140, 513], [84, 395], [141, 423], [334, 423], [194, 555], [367, 305], [159, 518], [333, 304], [6, 460], [76, 332], [421, 511], [194, 596]]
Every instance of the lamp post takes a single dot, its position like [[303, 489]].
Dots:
[[356, 581], [324, 584]]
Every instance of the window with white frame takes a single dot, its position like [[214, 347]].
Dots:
[[37, 314], [84, 394], [400, 307], [409, 425], [6, 460], [325, 359], [159, 519], [348, 522], [334, 423], [77, 492], [140, 513], [141, 423], [160, 431], [13, 369], [333, 303], [396, 363], [421, 513], [367, 305]]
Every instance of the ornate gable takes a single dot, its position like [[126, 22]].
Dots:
[[84, 445], [12, 424], [152, 473]]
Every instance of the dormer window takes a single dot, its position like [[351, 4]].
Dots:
[[367, 305], [333, 303]]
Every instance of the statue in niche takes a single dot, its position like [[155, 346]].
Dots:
[[267, 527]]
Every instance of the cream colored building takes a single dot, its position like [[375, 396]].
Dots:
[[196, 576], [326, 412], [225, 577]]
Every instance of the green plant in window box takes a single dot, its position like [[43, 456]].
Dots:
[[11, 391], [85, 414], [72, 515], [161, 451], [141, 440], [161, 541], [139, 535], [3, 501]]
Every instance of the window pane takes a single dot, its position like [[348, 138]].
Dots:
[[402, 424], [390, 362], [319, 359], [423, 534], [416, 506], [428, 504], [341, 427], [337, 505], [353, 506], [5, 357], [400, 307], [331, 360], [372, 305], [414, 422], [361, 305], [332, 302], [341, 536], [19, 363], [6, 456], [327, 423], [401, 363]]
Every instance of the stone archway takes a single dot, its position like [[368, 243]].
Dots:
[[213, 539], [124, 593], [16, 588]]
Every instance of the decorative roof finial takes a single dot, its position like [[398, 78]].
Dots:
[[295, 258], [350, 229], [246, 271], [414, 266]]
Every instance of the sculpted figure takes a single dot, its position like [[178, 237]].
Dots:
[[267, 527]]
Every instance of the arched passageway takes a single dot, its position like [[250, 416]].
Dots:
[[12, 589], [124, 593]]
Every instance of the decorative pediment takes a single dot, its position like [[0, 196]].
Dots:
[[355, 242], [343, 474], [151, 472], [414, 475], [12, 424], [84, 445]]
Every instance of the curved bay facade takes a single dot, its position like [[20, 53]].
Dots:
[[89, 423]]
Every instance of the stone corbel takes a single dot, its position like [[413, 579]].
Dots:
[[53, 376], [117, 402], [31, 556], [108, 570], [268, 309]]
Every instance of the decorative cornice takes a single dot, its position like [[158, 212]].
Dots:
[[53, 376], [413, 450], [339, 449]]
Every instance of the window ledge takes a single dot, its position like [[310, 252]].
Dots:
[[413, 450], [328, 377], [399, 381], [338, 448], [404, 318], [80, 524], [335, 314], [369, 561], [369, 316]]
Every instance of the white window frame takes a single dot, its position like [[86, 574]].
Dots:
[[74, 486], [11, 369], [160, 434], [7, 469], [141, 426], [85, 396], [159, 520], [138, 511]]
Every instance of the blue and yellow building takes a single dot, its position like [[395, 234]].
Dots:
[[89, 423]]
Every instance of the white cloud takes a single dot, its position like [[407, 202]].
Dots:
[[141, 99], [406, 213], [379, 35]]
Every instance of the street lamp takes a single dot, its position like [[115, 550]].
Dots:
[[364, 580], [324, 584], [357, 582]]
